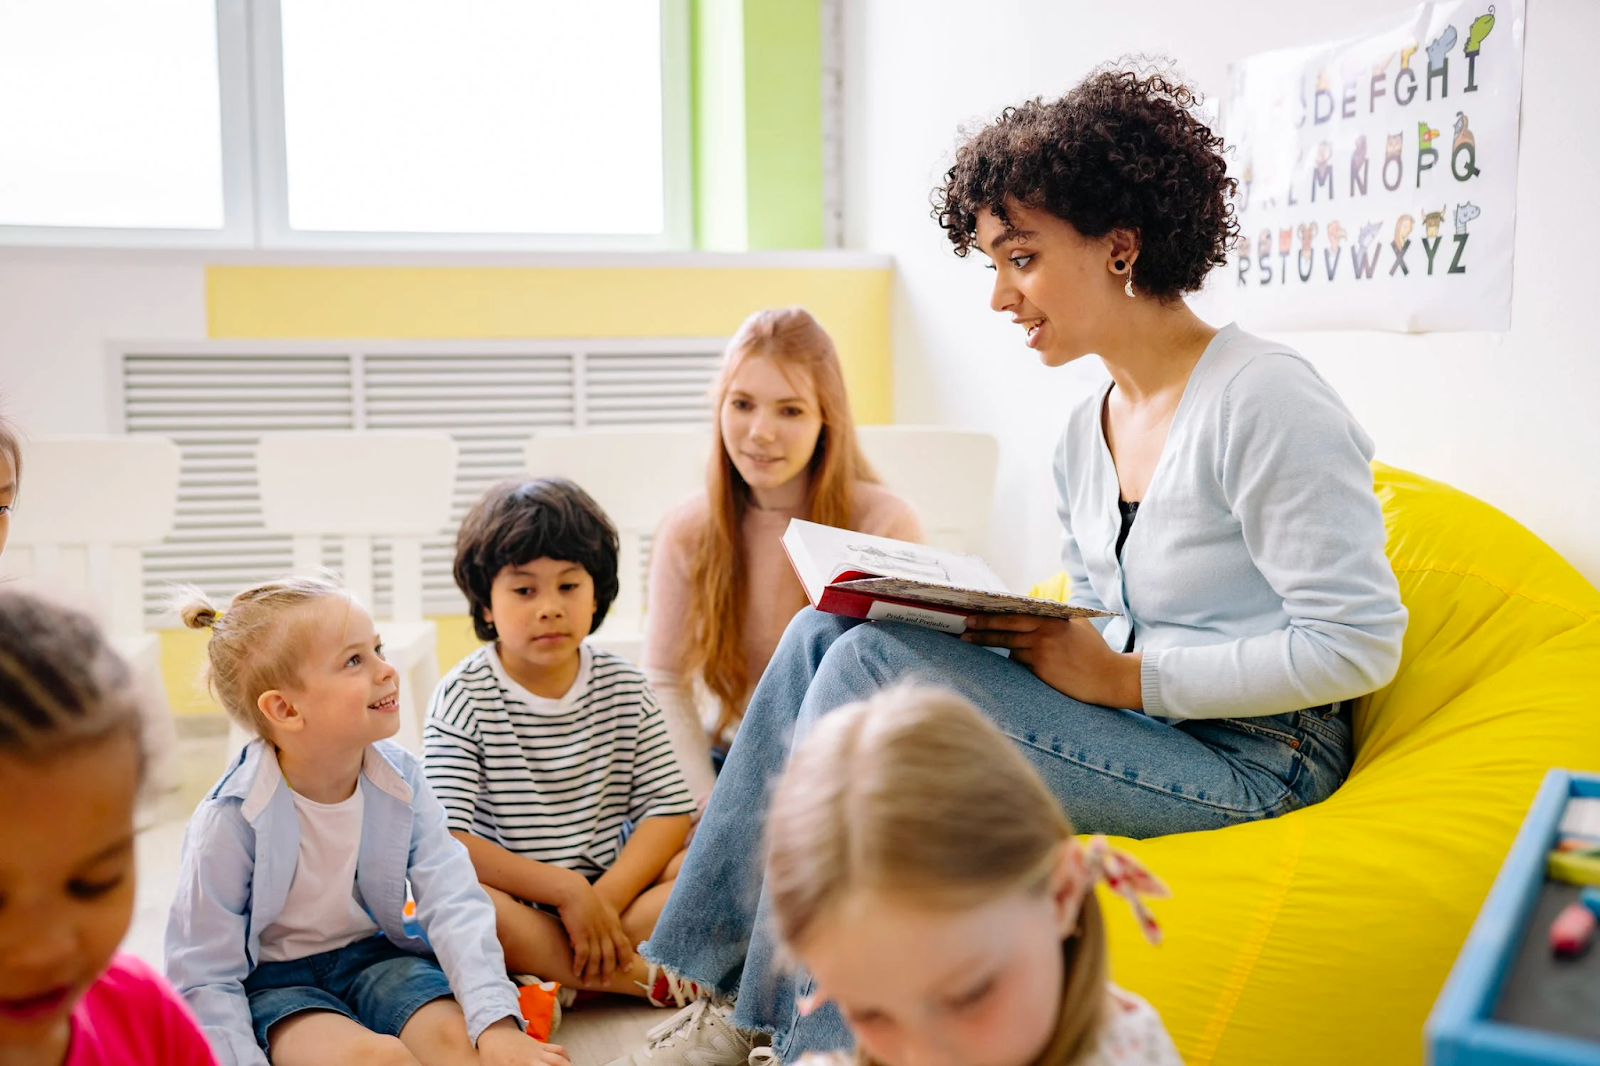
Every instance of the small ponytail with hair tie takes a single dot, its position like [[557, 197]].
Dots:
[[195, 607]]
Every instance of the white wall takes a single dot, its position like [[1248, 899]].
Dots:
[[1513, 418], [58, 311]]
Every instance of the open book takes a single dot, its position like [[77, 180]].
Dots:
[[863, 576]]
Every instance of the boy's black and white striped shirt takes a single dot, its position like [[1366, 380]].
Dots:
[[552, 780]]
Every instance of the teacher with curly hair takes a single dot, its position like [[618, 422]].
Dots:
[[1215, 494]]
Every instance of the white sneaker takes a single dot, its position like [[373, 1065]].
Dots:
[[701, 1034]]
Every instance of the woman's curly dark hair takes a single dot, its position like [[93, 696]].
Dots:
[[1122, 150]]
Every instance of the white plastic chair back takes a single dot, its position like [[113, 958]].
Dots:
[[359, 486], [86, 507], [637, 476], [948, 475]]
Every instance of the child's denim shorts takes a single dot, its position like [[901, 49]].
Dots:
[[370, 981]]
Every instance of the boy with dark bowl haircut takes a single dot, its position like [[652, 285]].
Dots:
[[550, 756]]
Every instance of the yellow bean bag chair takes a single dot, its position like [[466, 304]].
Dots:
[[1325, 935]]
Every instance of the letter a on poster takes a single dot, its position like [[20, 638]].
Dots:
[[1378, 174]]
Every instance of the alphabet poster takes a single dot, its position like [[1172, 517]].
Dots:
[[1378, 174]]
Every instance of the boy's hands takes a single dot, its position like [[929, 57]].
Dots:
[[504, 1044], [599, 946]]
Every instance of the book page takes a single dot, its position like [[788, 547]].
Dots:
[[839, 551]]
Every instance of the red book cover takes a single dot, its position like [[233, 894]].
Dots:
[[862, 576]]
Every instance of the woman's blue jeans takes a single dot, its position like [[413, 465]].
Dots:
[[1115, 771]]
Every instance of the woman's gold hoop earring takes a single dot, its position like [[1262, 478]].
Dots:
[[1128, 288]]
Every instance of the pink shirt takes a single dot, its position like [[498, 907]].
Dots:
[[773, 592], [132, 1017]]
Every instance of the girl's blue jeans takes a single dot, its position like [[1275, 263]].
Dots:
[[1117, 772]]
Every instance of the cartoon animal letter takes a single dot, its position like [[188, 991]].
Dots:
[[1439, 46], [1427, 154], [1392, 163], [1438, 63], [1464, 144], [1264, 257], [1335, 249], [1431, 239], [1308, 234], [1358, 166], [1477, 32], [1465, 213], [1365, 256], [1401, 244], [1324, 170], [1307, 258]]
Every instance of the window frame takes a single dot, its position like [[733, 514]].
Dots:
[[255, 163], [238, 212]]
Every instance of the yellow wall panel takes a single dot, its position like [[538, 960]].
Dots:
[[409, 303]]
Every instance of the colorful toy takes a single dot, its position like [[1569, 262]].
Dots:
[[1574, 867], [1572, 931], [1581, 844], [1591, 898]]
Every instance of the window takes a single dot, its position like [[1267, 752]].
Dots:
[[111, 115], [476, 116], [461, 124]]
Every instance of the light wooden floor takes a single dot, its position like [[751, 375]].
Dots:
[[594, 1033]]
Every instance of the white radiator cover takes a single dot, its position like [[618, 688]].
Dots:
[[216, 398]]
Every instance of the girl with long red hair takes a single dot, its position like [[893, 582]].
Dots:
[[721, 589]]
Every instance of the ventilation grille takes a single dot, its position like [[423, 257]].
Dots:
[[215, 402]]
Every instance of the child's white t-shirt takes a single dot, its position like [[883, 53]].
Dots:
[[321, 912]]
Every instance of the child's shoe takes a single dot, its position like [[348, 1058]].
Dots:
[[541, 1003], [701, 1034], [663, 988]]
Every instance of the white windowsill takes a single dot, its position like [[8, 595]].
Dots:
[[811, 259]]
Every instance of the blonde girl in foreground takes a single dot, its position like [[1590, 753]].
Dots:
[[932, 887]]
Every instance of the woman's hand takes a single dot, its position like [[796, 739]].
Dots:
[[504, 1044], [1069, 656], [599, 945]]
